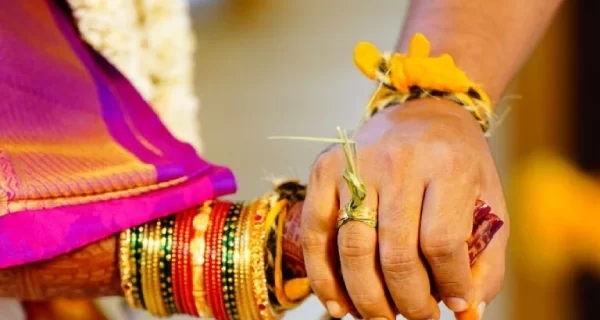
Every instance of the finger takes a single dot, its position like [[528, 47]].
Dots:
[[488, 279], [357, 245], [319, 216], [489, 271], [404, 272], [446, 225]]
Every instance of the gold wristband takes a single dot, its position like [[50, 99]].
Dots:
[[241, 257], [145, 266], [125, 267], [150, 270], [161, 307], [197, 248], [247, 293], [258, 241]]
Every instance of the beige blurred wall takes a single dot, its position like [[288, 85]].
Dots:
[[277, 67]]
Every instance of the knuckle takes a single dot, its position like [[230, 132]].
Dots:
[[417, 310], [310, 240], [354, 244], [452, 157], [441, 248], [324, 164], [399, 263], [397, 153], [320, 286], [452, 287], [367, 303]]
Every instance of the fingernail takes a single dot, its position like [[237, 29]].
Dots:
[[481, 309], [456, 304], [334, 309]]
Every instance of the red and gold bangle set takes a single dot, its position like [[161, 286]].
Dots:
[[207, 262]]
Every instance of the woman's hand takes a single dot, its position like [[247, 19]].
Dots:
[[424, 165]]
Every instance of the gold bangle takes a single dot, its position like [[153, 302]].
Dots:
[[197, 248], [161, 308], [246, 257], [150, 272], [125, 268], [240, 258], [146, 265], [258, 239]]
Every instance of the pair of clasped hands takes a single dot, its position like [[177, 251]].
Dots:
[[424, 164]]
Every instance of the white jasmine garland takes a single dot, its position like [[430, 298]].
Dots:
[[151, 43]]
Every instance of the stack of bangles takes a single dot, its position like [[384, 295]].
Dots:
[[220, 260]]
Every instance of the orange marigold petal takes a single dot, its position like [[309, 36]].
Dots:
[[459, 82], [367, 58], [419, 46], [446, 61], [415, 71], [398, 78]]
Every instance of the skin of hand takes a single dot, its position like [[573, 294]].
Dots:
[[424, 165]]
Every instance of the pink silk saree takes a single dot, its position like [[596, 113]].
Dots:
[[82, 155]]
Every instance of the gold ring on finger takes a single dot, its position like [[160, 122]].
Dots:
[[361, 214]]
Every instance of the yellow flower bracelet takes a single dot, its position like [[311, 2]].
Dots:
[[415, 75]]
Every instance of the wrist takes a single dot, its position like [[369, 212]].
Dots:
[[468, 36], [438, 108]]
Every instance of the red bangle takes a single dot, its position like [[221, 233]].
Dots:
[[215, 216], [177, 262], [213, 257], [187, 283]]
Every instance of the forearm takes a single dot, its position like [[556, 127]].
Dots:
[[91, 271], [489, 40]]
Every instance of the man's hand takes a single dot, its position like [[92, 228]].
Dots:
[[424, 165]]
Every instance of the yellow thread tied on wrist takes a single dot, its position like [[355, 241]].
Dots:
[[414, 75]]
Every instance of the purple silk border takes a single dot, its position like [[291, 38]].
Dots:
[[44, 234]]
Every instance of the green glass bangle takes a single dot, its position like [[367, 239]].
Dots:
[[166, 254], [136, 242], [227, 271]]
